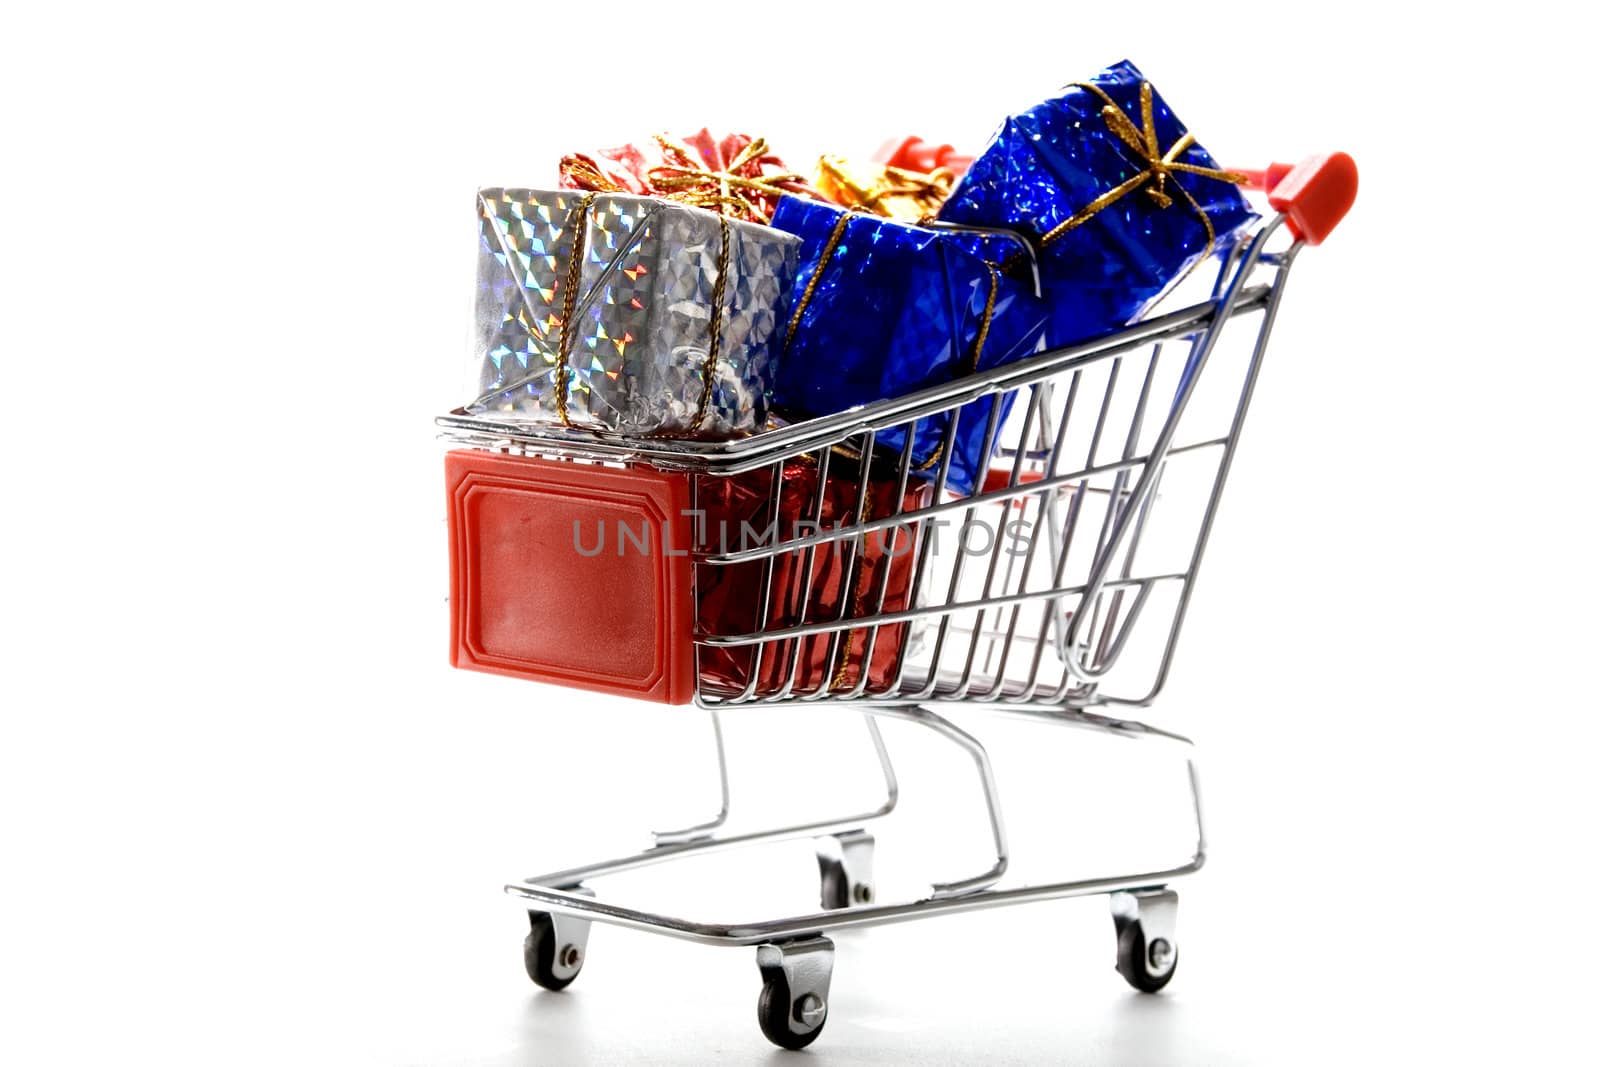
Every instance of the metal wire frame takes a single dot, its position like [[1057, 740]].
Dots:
[[1084, 624], [565, 892], [1029, 643]]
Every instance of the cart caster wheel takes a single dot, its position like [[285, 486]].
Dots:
[[1138, 961], [1147, 946], [554, 949], [779, 1011], [794, 991], [845, 863]]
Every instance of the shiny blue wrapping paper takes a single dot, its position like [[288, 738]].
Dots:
[[1053, 160], [898, 308]]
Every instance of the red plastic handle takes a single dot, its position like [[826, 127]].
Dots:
[[1314, 193]]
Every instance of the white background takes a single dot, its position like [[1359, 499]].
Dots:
[[247, 814]]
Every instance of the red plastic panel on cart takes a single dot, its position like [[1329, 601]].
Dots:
[[571, 573]]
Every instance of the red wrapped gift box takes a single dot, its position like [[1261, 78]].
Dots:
[[845, 581]]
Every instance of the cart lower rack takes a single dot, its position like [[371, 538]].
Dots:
[[1054, 591]]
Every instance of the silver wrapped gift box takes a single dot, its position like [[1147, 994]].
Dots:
[[676, 313]]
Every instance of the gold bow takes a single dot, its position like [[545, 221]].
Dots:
[[893, 192], [1159, 167], [684, 177], [582, 173]]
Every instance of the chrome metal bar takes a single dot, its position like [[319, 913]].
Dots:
[[924, 552], [1013, 492], [756, 933], [964, 685], [1024, 244], [1199, 808], [543, 891], [902, 480], [946, 610], [991, 794], [1070, 688], [1091, 604], [747, 453], [1058, 536], [1107, 655], [698, 535], [764, 596], [1118, 504], [807, 572], [1158, 451], [1247, 393], [1047, 506], [839, 639], [1109, 650], [1005, 631], [1057, 606], [708, 844], [944, 614], [690, 833], [1056, 613]]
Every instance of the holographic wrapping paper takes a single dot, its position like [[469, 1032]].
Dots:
[[845, 579], [641, 319], [898, 308], [1048, 163]]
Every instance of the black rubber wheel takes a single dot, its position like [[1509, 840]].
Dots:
[[539, 954], [1133, 961], [775, 1009]]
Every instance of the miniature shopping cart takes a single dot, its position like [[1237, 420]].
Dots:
[[1054, 590]]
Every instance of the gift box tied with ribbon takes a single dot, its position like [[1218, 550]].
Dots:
[[1120, 199], [643, 299], [882, 308], [626, 314]]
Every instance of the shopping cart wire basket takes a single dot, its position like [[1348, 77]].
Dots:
[[820, 562]]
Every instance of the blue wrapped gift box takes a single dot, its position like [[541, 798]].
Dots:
[[1121, 201], [883, 308]]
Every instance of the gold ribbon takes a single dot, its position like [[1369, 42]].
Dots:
[[1161, 168], [578, 221], [894, 192], [684, 177], [828, 250], [816, 276], [709, 369], [583, 174]]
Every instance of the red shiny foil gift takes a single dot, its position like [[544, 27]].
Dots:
[[913, 153], [845, 580], [736, 175]]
